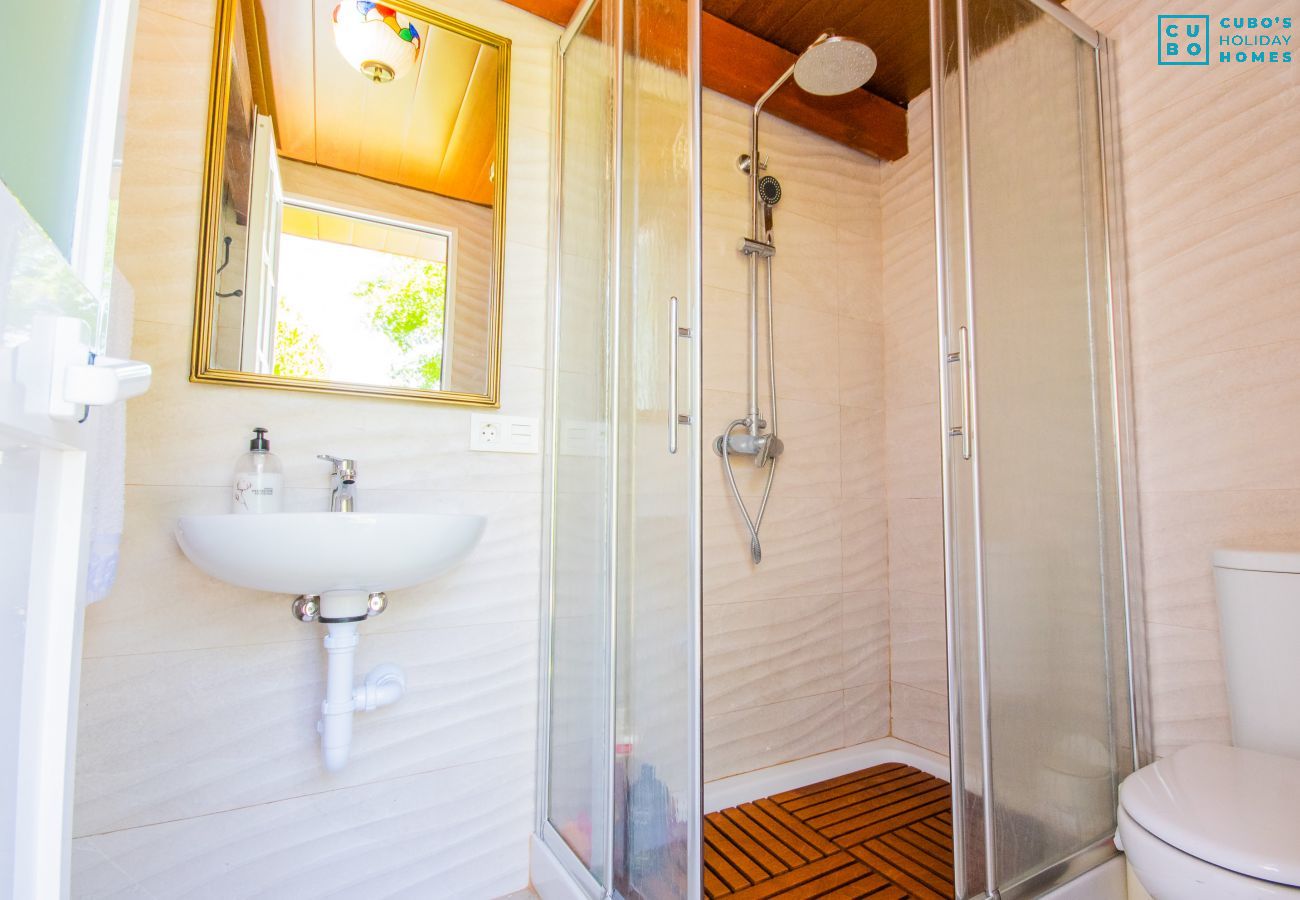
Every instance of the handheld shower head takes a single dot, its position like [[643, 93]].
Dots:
[[834, 65], [769, 195]]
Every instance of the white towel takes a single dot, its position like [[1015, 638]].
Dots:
[[106, 462]]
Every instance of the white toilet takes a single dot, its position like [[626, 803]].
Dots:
[[1219, 822]]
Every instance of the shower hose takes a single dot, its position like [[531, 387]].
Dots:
[[755, 522]]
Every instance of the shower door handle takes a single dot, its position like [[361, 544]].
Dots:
[[675, 333], [962, 358]]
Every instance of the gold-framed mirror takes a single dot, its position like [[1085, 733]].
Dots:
[[352, 238]]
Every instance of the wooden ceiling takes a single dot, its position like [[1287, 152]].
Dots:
[[434, 129], [742, 65], [747, 44]]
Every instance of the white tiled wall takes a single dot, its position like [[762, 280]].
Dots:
[[198, 768], [796, 648], [918, 668], [1210, 209], [1211, 202]]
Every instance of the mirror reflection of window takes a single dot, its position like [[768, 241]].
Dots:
[[362, 300]]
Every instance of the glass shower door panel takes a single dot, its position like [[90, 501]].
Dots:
[[1048, 525], [961, 551], [657, 769], [579, 801]]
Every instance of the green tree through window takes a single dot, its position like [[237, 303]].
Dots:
[[410, 309], [298, 352]]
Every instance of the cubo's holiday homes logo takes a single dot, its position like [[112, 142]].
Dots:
[[1196, 40], [1183, 40]]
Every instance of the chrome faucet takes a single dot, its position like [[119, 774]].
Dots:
[[343, 483]]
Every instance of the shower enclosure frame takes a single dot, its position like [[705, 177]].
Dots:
[[550, 840], [543, 830], [1121, 421]]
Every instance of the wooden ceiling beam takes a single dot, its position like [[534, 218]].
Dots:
[[742, 66]]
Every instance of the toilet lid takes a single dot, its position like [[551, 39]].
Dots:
[[1238, 809], [1257, 561]]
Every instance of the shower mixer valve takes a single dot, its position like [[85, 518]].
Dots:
[[763, 447]]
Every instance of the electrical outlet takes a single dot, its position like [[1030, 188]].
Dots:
[[503, 434]]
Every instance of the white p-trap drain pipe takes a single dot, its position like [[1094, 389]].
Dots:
[[384, 684]]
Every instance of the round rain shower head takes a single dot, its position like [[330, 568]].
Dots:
[[769, 190], [834, 65]]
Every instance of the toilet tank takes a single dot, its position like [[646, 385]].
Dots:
[[1259, 615]]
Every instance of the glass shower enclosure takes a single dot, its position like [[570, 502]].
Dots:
[[619, 804], [1045, 683]]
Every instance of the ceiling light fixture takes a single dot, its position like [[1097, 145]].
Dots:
[[376, 40]]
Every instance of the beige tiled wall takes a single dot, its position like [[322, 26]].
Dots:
[[796, 649], [918, 670], [1212, 203], [198, 768], [1211, 190]]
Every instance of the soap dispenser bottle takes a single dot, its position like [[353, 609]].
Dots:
[[259, 480]]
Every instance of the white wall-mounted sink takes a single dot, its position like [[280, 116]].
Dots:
[[325, 552], [343, 561]]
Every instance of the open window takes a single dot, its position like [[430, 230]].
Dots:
[[362, 299], [339, 295], [257, 336]]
